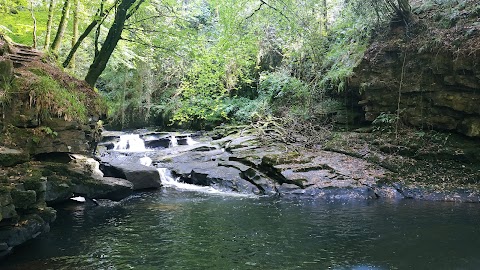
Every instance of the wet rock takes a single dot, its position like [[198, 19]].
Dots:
[[429, 194], [27, 228], [110, 188], [142, 177], [58, 192], [333, 193]]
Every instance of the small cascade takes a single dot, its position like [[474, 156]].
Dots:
[[95, 165], [146, 161], [190, 141], [130, 143], [168, 181], [173, 141]]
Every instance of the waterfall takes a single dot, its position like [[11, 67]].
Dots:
[[169, 181], [173, 141], [166, 177], [190, 141], [131, 143]]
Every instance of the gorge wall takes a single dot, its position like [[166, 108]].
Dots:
[[429, 69], [40, 120]]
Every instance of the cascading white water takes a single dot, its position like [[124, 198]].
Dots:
[[173, 141], [190, 141], [146, 161], [131, 143], [169, 181]]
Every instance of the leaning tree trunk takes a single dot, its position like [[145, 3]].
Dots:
[[49, 24], [78, 42], [113, 36], [61, 27], [98, 19]]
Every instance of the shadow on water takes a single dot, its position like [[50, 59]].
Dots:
[[188, 230]]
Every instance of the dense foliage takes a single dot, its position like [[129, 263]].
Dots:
[[199, 63]]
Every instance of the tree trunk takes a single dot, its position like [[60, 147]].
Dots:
[[75, 31], [61, 27], [113, 36], [34, 26], [324, 16], [49, 24], [79, 41], [404, 8], [99, 17], [97, 32]]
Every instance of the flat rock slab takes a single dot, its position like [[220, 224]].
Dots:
[[110, 188], [10, 157], [142, 177]]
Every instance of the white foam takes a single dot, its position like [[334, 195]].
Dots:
[[169, 181], [190, 141], [173, 141], [146, 161], [130, 143], [78, 199]]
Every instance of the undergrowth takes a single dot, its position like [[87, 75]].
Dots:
[[50, 99]]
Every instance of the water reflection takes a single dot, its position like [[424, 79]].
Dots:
[[188, 230]]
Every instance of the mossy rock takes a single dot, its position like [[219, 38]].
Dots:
[[11, 157], [48, 214], [6, 72], [24, 199], [8, 211], [37, 184], [5, 198], [284, 158]]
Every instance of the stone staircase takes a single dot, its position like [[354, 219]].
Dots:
[[21, 55]]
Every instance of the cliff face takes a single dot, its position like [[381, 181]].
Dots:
[[429, 70], [45, 114]]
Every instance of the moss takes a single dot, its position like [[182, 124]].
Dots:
[[53, 100], [34, 183], [24, 199], [11, 159], [284, 158]]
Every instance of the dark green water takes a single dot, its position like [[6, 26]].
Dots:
[[171, 229]]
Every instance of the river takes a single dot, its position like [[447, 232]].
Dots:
[[179, 229]]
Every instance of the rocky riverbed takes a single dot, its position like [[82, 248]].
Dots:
[[349, 165]]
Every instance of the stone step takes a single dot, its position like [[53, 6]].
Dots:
[[16, 58], [28, 53], [17, 45]]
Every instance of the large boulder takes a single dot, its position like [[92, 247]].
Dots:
[[110, 188], [81, 177], [142, 177]]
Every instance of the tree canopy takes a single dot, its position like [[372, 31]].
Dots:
[[205, 61]]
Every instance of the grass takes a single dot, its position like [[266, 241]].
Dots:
[[19, 26], [53, 100]]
